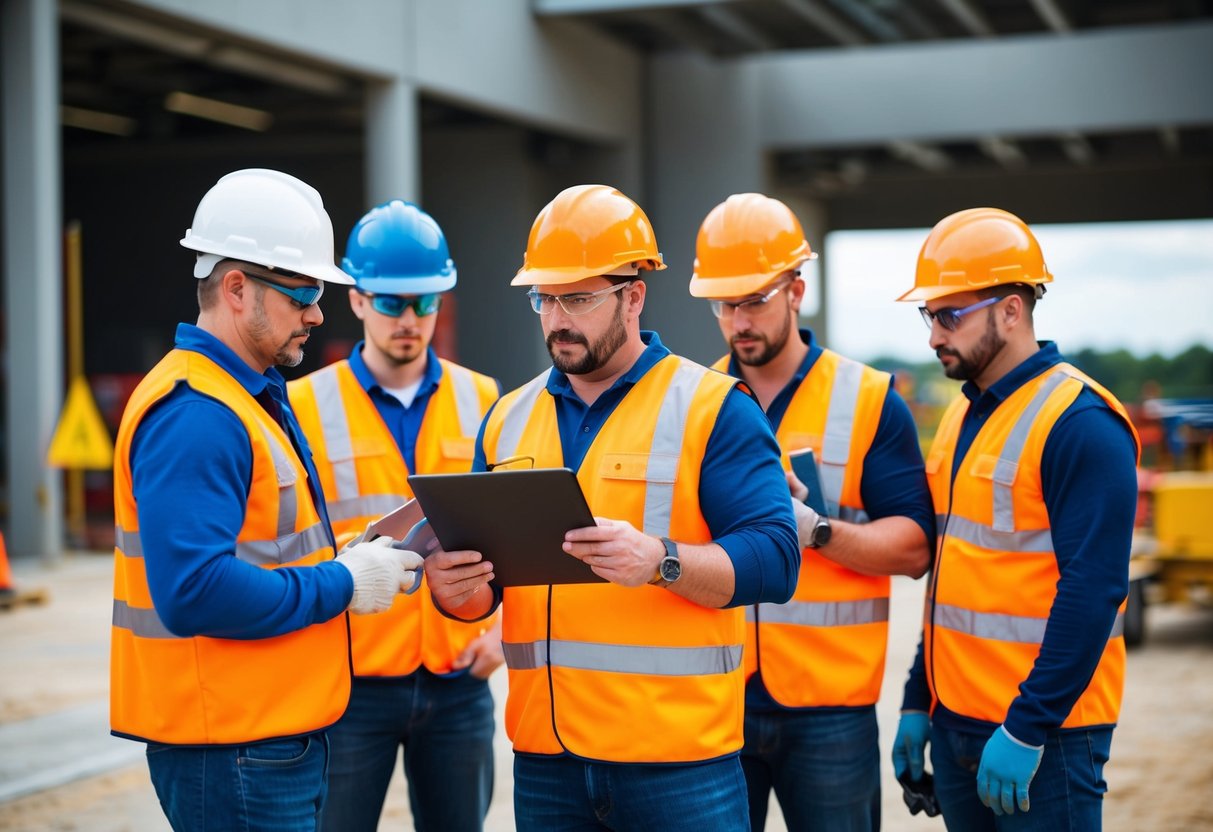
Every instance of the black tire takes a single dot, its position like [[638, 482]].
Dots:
[[1135, 614]]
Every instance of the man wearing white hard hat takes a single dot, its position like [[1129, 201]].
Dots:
[[230, 644]]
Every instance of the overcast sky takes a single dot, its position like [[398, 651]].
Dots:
[[1144, 286]]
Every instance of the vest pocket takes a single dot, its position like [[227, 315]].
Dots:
[[458, 447], [646, 467]]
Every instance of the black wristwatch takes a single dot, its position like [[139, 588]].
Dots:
[[822, 531], [669, 569]]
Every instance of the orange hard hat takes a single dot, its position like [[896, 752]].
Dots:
[[974, 249], [744, 243], [586, 231]]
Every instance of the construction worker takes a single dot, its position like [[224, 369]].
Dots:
[[1017, 684], [391, 409], [625, 697], [814, 665], [230, 653]]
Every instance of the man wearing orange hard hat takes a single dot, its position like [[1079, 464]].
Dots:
[[814, 665], [1018, 680], [625, 702]]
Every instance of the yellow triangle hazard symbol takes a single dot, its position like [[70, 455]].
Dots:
[[81, 439]]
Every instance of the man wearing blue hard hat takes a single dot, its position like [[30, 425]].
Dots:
[[392, 409]]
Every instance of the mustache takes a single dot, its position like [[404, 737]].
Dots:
[[566, 335], [406, 333], [751, 335], [942, 351]]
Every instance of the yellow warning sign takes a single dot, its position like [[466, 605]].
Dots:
[[81, 439]]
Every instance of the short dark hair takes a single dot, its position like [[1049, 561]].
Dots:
[[1026, 293]]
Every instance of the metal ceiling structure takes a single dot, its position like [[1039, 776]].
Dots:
[[741, 29]]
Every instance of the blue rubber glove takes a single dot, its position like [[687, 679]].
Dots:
[[1006, 770], [909, 748]]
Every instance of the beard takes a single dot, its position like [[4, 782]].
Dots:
[[596, 354], [767, 349], [401, 353], [259, 330], [969, 367]]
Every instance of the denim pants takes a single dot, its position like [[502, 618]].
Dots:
[[566, 793], [824, 766], [1066, 795], [274, 786], [445, 724]]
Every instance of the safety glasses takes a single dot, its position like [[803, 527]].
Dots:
[[394, 305], [577, 303], [301, 296], [949, 317], [752, 306]]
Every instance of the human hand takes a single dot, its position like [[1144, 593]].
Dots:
[[800, 491], [616, 550], [458, 578], [909, 747], [1005, 772], [380, 573], [483, 654]]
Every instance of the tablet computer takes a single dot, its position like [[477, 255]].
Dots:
[[516, 519]]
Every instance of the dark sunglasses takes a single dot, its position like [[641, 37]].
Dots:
[[949, 317], [301, 296], [394, 305]]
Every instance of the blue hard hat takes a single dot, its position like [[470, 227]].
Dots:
[[398, 249]]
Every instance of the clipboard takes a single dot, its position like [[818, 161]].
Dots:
[[517, 519], [804, 466]]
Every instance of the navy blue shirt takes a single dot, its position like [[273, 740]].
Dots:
[[894, 482], [754, 524], [404, 423], [1089, 479], [191, 468]]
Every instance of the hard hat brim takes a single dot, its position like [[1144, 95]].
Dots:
[[205, 264], [560, 277], [731, 287], [420, 285]]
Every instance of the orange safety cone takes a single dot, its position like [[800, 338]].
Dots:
[[9, 596], [6, 572]]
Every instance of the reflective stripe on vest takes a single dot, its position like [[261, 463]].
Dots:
[[619, 658], [1002, 627], [515, 420], [822, 613], [1012, 450], [836, 440], [979, 534]]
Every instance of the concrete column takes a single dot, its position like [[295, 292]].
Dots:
[[815, 220], [393, 146], [33, 274]]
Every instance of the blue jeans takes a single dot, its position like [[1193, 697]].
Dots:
[[446, 727], [1066, 794], [824, 766], [565, 793], [274, 786]]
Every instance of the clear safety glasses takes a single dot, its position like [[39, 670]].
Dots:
[[394, 305], [949, 317], [577, 303], [753, 305]]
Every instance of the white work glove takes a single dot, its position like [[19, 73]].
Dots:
[[380, 573], [806, 520]]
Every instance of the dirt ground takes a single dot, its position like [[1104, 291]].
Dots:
[[1160, 776]]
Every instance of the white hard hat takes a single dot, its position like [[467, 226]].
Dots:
[[268, 218]]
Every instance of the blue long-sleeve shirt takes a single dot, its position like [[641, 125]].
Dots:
[[191, 469], [894, 482], [754, 525], [1089, 480]]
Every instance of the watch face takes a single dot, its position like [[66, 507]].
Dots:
[[821, 533], [671, 569]]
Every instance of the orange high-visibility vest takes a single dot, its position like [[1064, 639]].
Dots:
[[364, 477], [826, 646], [215, 691], [995, 574], [613, 673]]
